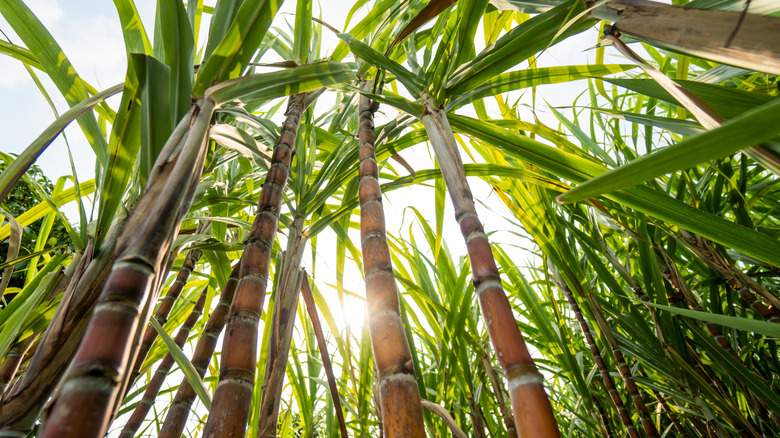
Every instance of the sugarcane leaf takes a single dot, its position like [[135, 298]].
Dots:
[[184, 364], [374, 57], [751, 128], [515, 80], [745, 324], [56, 65], [364, 27], [156, 122], [236, 48], [516, 46], [13, 316], [124, 142], [683, 127], [136, 40], [178, 48], [19, 53], [42, 209], [645, 199], [727, 102], [282, 83], [19, 166], [428, 13], [735, 368], [302, 32]]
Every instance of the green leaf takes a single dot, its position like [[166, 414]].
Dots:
[[751, 128], [19, 166], [302, 34], [178, 49], [515, 80], [378, 60], [133, 30], [727, 102], [282, 83], [238, 46], [516, 46], [42, 209], [645, 199], [745, 324], [184, 364], [123, 145]]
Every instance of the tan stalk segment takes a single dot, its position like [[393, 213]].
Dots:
[[166, 304], [323, 346], [282, 324], [87, 399], [723, 36], [142, 409], [399, 397], [233, 396], [176, 419], [609, 384], [533, 413]]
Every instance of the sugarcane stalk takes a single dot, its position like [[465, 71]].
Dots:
[[87, 398], [532, 409], [147, 401], [176, 419], [282, 324], [625, 418], [233, 396], [607, 430], [164, 309], [323, 346], [399, 398]]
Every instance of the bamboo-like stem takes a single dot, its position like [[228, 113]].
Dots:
[[609, 384], [166, 304], [399, 397], [86, 401], [233, 396], [625, 372], [603, 417], [176, 419], [282, 324], [147, 401], [532, 409], [315, 321]]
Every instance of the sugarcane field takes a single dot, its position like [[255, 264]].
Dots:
[[389, 218]]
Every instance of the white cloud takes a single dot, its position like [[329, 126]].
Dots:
[[48, 11]]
